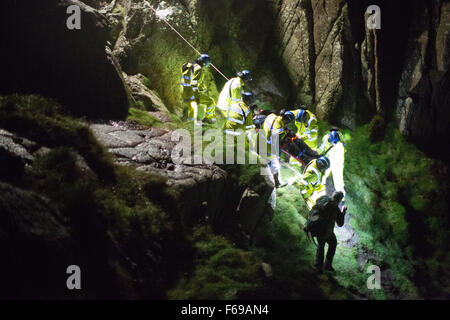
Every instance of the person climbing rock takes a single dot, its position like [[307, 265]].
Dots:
[[312, 185], [307, 128], [232, 91], [240, 116], [334, 148], [273, 132], [320, 224], [199, 104]]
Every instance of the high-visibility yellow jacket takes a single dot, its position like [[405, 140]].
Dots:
[[273, 125], [192, 80], [239, 116], [312, 185], [307, 131], [231, 93], [272, 128], [336, 154]]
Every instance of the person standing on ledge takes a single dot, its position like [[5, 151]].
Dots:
[[232, 91], [199, 104]]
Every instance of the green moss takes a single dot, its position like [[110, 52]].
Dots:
[[146, 82], [221, 271], [392, 194], [143, 117], [119, 9], [58, 176], [395, 216], [164, 70]]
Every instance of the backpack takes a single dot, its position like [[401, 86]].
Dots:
[[318, 219]]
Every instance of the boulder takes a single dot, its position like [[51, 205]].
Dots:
[[254, 212], [294, 28], [150, 151], [36, 246], [141, 93], [43, 56]]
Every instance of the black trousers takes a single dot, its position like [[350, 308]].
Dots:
[[332, 243]]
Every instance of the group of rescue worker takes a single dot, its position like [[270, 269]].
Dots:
[[290, 132]]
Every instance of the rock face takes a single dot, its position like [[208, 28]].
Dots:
[[13, 157], [330, 40], [295, 27], [47, 58], [319, 43], [142, 94], [422, 109], [312, 52], [369, 69]]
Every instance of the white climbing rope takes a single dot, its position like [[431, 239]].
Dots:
[[181, 36]]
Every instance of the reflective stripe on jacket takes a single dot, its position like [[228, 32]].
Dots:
[[192, 78], [239, 116], [231, 93], [273, 125]]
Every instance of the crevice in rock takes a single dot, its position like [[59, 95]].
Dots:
[[395, 21], [311, 51]]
